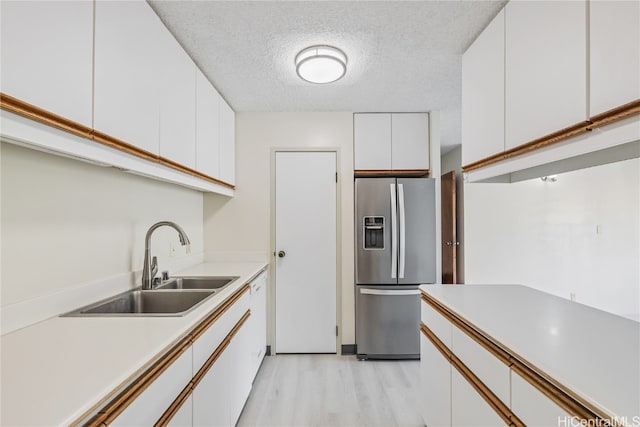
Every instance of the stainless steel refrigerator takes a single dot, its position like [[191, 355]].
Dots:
[[395, 252]]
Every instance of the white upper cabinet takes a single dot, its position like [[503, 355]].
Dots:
[[409, 141], [483, 94], [615, 53], [545, 70], [207, 127], [227, 143], [128, 77], [372, 141], [43, 65], [177, 103]]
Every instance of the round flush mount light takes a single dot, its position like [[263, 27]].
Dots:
[[321, 64]]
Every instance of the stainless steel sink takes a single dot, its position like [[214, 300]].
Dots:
[[215, 283], [145, 303]]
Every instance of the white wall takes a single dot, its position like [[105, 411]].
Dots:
[[66, 223], [579, 235], [243, 223]]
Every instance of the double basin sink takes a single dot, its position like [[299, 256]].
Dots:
[[174, 297]]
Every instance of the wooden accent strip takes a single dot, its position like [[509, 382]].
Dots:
[[558, 393], [211, 319], [492, 400], [188, 390], [114, 408], [45, 117], [175, 406], [410, 173], [24, 109], [614, 115]]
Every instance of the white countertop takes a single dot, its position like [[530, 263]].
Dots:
[[56, 370], [593, 353]]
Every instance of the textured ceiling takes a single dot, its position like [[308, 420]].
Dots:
[[402, 55]]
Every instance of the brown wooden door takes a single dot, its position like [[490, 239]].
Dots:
[[449, 238]]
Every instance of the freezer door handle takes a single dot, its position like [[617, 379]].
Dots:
[[394, 231], [402, 230], [367, 291]]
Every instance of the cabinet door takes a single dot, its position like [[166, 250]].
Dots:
[[127, 82], [534, 408], [177, 103], [258, 322], [372, 141], [489, 369], [545, 68], [410, 141], [211, 397], [154, 401], [615, 53], [227, 143], [47, 51], [239, 372], [483, 94], [184, 416], [435, 385], [207, 127], [468, 408]]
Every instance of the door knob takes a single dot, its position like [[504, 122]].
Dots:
[[449, 243], [281, 254]]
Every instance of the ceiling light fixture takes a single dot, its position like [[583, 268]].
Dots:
[[321, 64]]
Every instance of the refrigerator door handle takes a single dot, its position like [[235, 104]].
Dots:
[[394, 231], [367, 291], [402, 230]]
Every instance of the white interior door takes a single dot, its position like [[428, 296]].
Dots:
[[305, 245]]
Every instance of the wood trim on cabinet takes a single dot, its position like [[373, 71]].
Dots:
[[407, 173], [202, 372], [559, 394], [117, 405], [492, 400], [32, 112], [608, 117]]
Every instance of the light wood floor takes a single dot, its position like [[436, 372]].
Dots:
[[330, 390]]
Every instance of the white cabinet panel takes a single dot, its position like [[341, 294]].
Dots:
[[47, 51], [545, 69], [258, 322], [435, 385], [440, 326], [154, 401], [211, 395], [177, 103], [468, 408], [409, 141], [240, 376], [489, 369], [212, 337], [184, 416], [483, 94], [615, 53], [207, 127], [534, 408], [128, 84], [372, 141], [227, 143]]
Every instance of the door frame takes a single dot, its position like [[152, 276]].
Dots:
[[272, 242]]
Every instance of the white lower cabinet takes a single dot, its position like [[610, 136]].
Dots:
[[154, 401], [534, 408], [184, 416], [240, 373], [435, 385], [258, 322], [468, 408], [210, 397]]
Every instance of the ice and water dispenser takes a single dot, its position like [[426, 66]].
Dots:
[[373, 232]]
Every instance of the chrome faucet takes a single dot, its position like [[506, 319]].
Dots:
[[150, 267]]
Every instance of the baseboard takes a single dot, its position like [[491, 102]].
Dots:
[[349, 349]]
